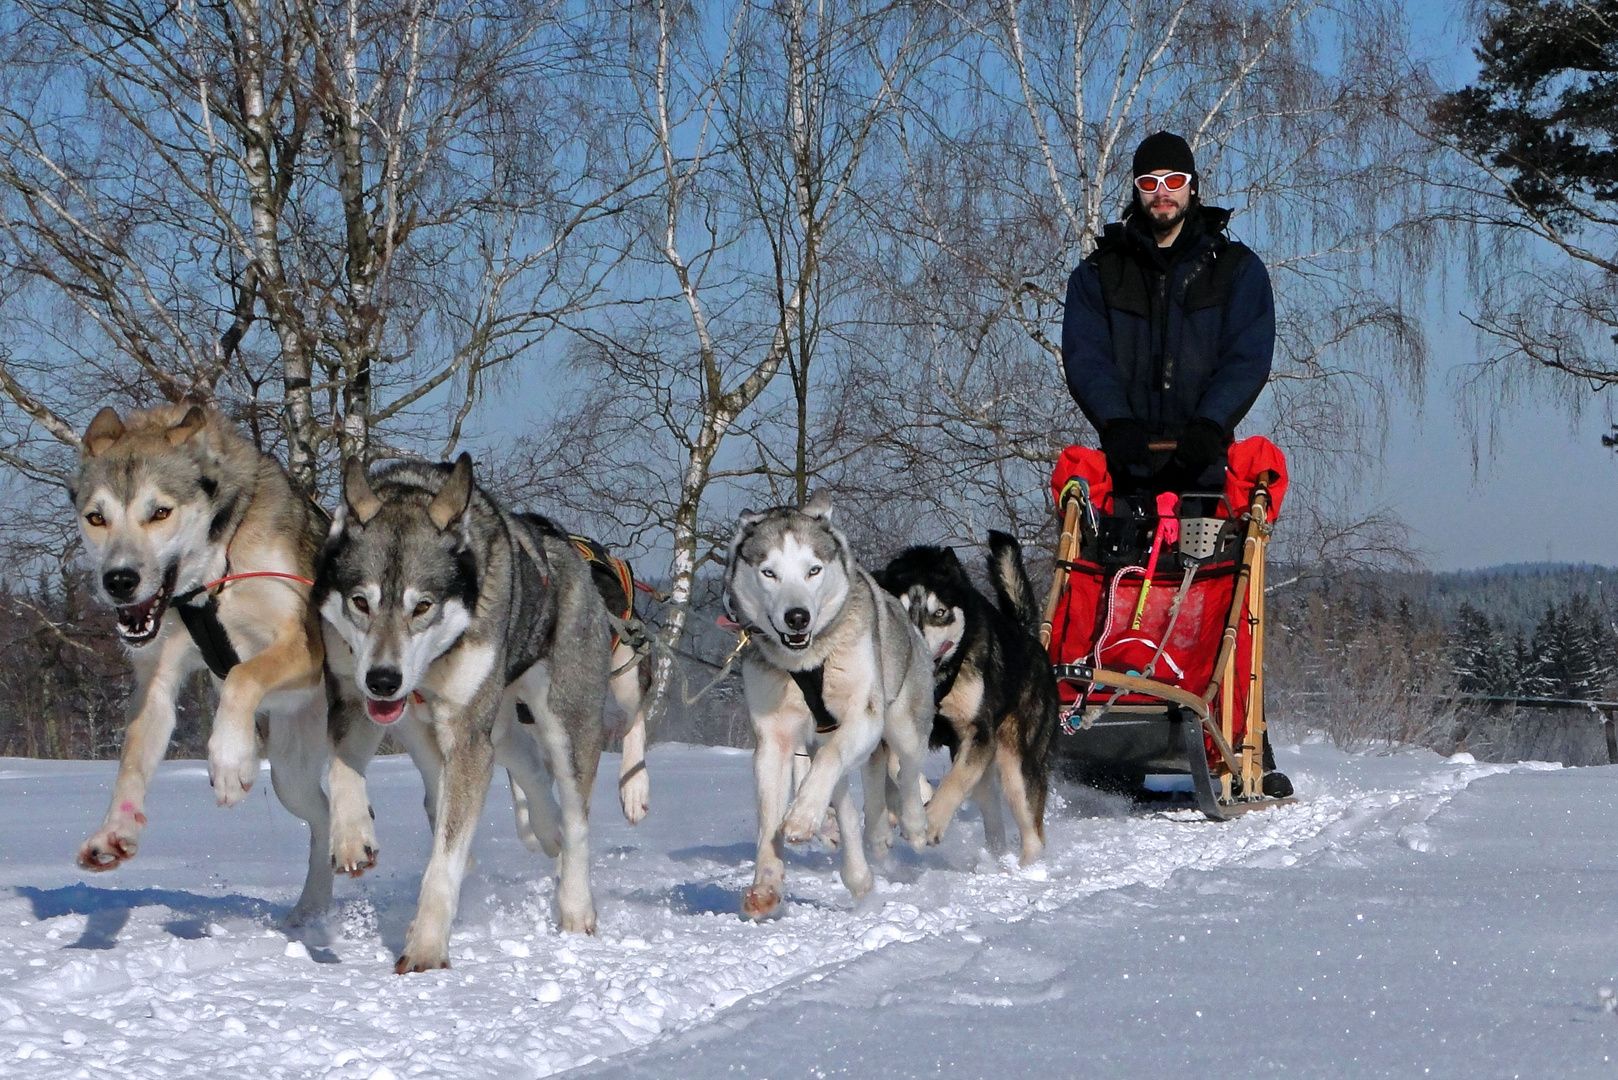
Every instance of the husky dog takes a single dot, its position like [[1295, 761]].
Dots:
[[169, 500], [432, 593], [993, 684], [838, 666]]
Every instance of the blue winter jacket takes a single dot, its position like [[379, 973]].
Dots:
[[1167, 347]]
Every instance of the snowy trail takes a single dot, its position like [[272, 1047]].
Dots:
[[173, 965]]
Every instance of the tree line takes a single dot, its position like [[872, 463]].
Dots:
[[1568, 658]]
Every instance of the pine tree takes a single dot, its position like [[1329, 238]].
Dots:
[[1571, 653], [1480, 657], [1590, 659]]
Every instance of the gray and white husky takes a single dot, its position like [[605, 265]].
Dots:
[[170, 500], [432, 593], [839, 666]]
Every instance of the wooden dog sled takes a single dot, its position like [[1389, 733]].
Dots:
[[1155, 625]]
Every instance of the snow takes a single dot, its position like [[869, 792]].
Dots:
[[1408, 916]]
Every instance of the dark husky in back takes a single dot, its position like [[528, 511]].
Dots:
[[992, 682]]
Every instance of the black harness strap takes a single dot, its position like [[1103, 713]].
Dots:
[[203, 624], [944, 675], [811, 683]]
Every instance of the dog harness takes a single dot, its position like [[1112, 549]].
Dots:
[[812, 683], [203, 624], [615, 581]]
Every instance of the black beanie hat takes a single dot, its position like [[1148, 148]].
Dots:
[[1164, 151]]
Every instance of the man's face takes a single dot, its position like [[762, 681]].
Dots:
[[1164, 208]]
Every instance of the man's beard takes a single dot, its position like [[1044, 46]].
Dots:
[[1164, 225]]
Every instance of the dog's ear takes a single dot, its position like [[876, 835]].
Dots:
[[362, 501], [749, 517], [103, 431], [192, 422], [455, 496], [950, 558], [819, 505]]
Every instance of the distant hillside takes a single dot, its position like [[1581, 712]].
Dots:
[[1518, 593], [1515, 594]]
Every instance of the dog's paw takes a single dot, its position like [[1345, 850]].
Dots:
[[579, 922], [830, 833], [354, 852], [858, 884], [937, 826], [635, 792], [232, 767], [878, 842], [308, 923], [915, 830], [761, 901], [413, 961], [422, 955], [799, 827], [107, 849]]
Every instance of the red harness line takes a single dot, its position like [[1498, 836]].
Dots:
[[256, 573]]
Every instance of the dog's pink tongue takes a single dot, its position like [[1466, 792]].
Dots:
[[385, 712]]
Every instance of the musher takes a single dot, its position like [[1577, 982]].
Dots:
[[1168, 336], [1169, 330]]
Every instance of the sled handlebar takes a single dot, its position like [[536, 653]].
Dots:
[[1162, 444]]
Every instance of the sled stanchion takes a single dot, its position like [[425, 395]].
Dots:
[[1066, 547], [1253, 756]]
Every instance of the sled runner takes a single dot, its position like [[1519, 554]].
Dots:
[[1155, 624]]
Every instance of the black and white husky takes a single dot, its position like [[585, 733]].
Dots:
[[432, 594], [993, 684], [837, 666]]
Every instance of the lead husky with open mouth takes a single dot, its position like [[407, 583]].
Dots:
[[172, 501], [837, 666], [445, 610]]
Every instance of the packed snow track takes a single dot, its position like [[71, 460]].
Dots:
[[175, 965]]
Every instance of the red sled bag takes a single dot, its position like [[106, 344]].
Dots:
[[1094, 621]]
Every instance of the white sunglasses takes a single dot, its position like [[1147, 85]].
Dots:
[[1173, 181]]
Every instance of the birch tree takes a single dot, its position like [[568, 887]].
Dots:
[[763, 120], [336, 220]]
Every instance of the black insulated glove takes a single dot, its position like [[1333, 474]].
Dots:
[[1201, 444], [1124, 441]]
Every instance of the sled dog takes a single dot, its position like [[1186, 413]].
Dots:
[[993, 685], [837, 665], [431, 592], [170, 500]]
